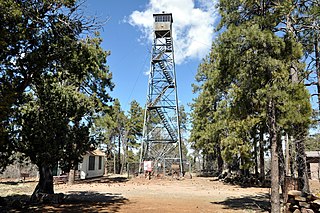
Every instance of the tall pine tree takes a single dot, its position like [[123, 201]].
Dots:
[[247, 75]]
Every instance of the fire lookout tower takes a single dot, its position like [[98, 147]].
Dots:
[[161, 130]]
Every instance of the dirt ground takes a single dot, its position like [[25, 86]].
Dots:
[[119, 194]]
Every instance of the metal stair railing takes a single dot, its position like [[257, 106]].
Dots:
[[158, 57], [157, 99], [168, 44], [166, 73], [166, 124]]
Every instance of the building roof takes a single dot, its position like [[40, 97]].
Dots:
[[313, 154], [96, 152]]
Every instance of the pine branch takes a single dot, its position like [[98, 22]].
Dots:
[[310, 84]]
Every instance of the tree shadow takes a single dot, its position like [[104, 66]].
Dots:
[[16, 182], [103, 179], [258, 203], [9, 183], [73, 202], [243, 183], [208, 173]]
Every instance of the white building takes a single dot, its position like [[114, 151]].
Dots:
[[93, 164], [313, 161]]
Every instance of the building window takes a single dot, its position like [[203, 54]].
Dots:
[[100, 162], [163, 18], [91, 162]]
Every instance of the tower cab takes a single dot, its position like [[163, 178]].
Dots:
[[162, 25]]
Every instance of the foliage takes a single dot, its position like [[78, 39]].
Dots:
[[122, 130], [54, 126], [252, 79], [54, 82], [135, 123], [313, 143]]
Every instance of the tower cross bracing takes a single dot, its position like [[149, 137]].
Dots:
[[161, 132]]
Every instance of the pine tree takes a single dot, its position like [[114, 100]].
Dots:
[[132, 132], [122, 131], [247, 76], [54, 82]]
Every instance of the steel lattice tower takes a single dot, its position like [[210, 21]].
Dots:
[[161, 132]]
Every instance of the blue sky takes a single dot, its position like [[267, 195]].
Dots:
[[128, 34]]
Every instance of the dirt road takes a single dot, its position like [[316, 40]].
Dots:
[[118, 194]]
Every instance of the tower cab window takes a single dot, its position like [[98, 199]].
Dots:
[[162, 19]]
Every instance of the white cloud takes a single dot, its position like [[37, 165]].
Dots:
[[147, 72], [193, 25]]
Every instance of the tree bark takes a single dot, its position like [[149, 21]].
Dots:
[[303, 181], [281, 162], [124, 159], [45, 184], [261, 155], [114, 163], [255, 152], [275, 196], [125, 151], [203, 160], [292, 159], [287, 157], [317, 58], [119, 155], [210, 158], [219, 158], [106, 163], [71, 177]]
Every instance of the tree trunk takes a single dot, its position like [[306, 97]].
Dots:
[[203, 160], [114, 163], [125, 151], [281, 162], [261, 155], [124, 156], [119, 155], [287, 157], [303, 181], [45, 184], [293, 156], [317, 58], [255, 152], [106, 169], [210, 158], [71, 176], [275, 196], [219, 158]]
